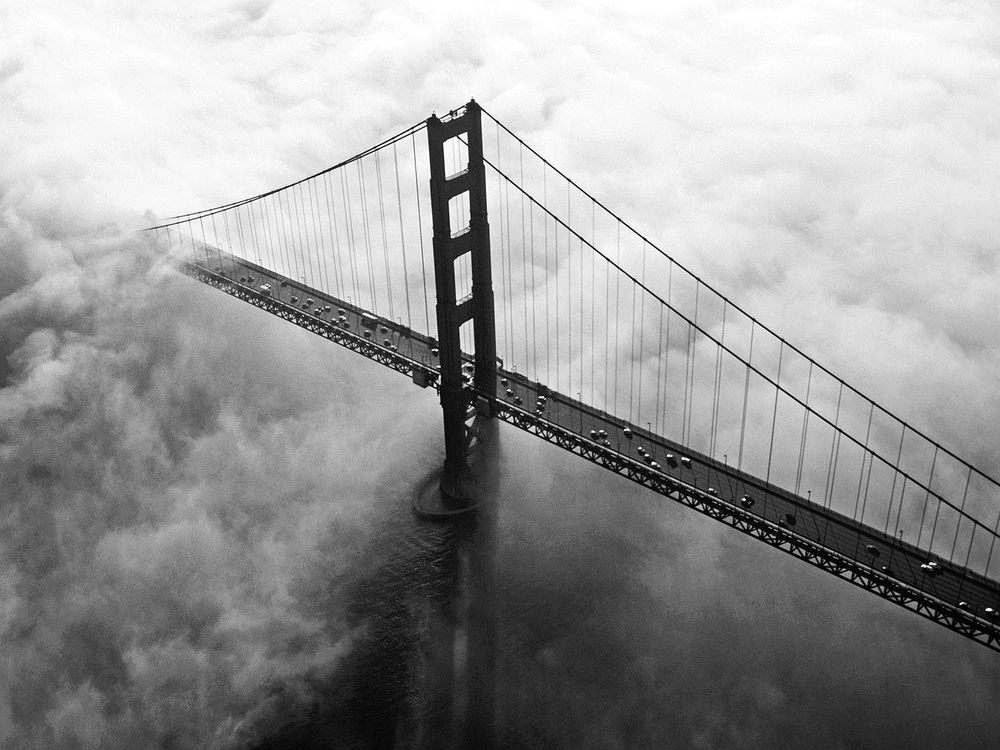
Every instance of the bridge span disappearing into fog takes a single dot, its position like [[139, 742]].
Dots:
[[551, 313]]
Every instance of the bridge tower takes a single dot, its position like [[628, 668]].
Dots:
[[449, 192]]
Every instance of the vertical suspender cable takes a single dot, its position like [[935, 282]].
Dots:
[[241, 239], [302, 230], [402, 237], [309, 240], [694, 359], [831, 472], [555, 242], [258, 231], [501, 183], [593, 301], [666, 358], [642, 334], [334, 237], [385, 240], [283, 236], [225, 223], [506, 268], [865, 456], [420, 233], [895, 473], [534, 293], [746, 394], [618, 249], [927, 495], [529, 369], [774, 413], [298, 233], [607, 334], [319, 237], [334, 229], [958, 525], [659, 372], [204, 242], [215, 241], [363, 197], [805, 431], [267, 236], [548, 278], [351, 239], [569, 295], [717, 384], [631, 360]]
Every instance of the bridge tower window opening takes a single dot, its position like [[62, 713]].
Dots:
[[463, 277], [467, 337], [459, 215], [456, 154]]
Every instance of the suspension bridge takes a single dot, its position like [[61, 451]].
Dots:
[[553, 314]]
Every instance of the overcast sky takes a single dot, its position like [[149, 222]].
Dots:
[[831, 166]]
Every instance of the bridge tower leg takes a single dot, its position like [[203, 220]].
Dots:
[[448, 191]]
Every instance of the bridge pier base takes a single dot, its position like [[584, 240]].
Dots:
[[461, 659], [455, 488], [477, 566]]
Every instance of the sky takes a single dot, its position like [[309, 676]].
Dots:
[[182, 475]]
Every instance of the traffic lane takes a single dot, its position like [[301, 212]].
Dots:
[[389, 334], [872, 548], [899, 561], [839, 534]]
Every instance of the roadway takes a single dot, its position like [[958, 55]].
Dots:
[[885, 556]]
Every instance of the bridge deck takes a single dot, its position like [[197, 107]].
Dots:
[[890, 567]]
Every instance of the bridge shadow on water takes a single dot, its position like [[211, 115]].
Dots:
[[382, 691], [420, 672], [427, 667]]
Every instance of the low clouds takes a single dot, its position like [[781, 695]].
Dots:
[[169, 502], [189, 487], [632, 622]]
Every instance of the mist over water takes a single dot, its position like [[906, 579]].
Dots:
[[377, 696], [208, 541], [627, 621], [205, 529]]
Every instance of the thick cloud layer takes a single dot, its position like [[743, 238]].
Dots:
[[188, 486]]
